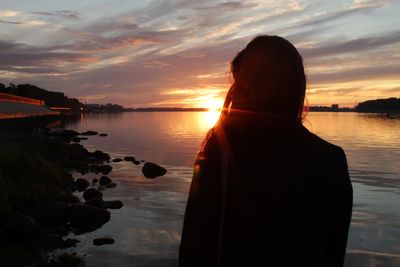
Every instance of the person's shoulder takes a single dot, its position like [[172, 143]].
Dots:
[[317, 143]]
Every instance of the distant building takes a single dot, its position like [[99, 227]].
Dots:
[[92, 107]]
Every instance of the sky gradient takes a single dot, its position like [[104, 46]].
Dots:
[[177, 53]]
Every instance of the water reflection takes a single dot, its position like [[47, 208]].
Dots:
[[147, 229]]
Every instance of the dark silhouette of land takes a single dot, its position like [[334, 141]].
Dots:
[[387, 105]]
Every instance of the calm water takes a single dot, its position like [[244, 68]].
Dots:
[[147, 229]]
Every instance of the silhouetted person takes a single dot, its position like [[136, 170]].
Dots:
[[266, 191]]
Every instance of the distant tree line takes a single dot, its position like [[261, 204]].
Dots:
[[380, 105], [52, 99], [111, 108]]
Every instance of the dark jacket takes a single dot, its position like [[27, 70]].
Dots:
[[265, 195]]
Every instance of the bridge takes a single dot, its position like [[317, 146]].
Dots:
[[12, 106]]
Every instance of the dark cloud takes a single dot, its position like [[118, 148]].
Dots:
[[66, 14], [9, 22], [365, 73], [232, 5], [18, 57], [352, 46]]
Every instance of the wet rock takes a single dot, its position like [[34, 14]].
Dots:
[[117, 160], [151, 170], [91, 193], [89, 133], [104, 180], [103, 134], [111, 185], [104, 169], [76, 139], [95, 180], [96, 202], [136, 162], [101, 155], [87, 218], [81, 184], [129, 158], [21, 227], [113, 204], [103, 241]]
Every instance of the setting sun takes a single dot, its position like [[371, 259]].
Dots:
[[214, 104]]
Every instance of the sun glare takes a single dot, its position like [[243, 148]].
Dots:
[[214, 107], [215, 104]]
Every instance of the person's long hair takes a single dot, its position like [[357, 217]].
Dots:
[[269, 82]]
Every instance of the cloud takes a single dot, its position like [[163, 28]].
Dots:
[[9, 22], [16, 57], [358, 45], [66, 14], [232, 5]]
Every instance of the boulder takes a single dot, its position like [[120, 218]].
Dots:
[[117, 160], [136, 162], [104, 180], [100, 155], [103, 241], [103, 134], [129, 158], [96, 202], [87, 218], [151, 170], [104, 169], [113, 204], [91, 193], [89, 133], [81, 184], [76, 139], [95, 180], [21, 227]]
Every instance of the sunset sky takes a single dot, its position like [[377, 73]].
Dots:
[[177, 53]]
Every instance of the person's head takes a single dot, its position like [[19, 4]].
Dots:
[[269, 79]]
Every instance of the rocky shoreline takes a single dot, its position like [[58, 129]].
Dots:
[[38, 204]]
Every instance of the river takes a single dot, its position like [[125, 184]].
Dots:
[[147, 229]]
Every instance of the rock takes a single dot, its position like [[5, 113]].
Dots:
[[129, 158], [103, 241], [84, 138], [136, 162], [104, 180], [87, 218], [113, 204], [21, 227], [96, 202], [95, 180], [142, 160], [89, 133], [104, 169], [81, 184], [100, 155], [151, 170], [117, 160], [111, 185], [91, 193], [103, 134], [76, 139]]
